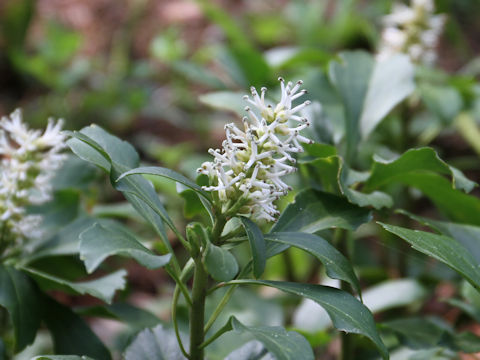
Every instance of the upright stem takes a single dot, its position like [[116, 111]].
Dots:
[[197, 311], [341, 242]]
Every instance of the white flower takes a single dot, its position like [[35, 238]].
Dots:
[[413, 31], [247, 172], [28, 161]]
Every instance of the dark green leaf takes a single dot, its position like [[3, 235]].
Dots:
[[284, 345], [313, 211], [103, 288], [169, 174], [132, 316], [99, 242], [337, 266], [220, 263], [347, 313], [257, 246], [71, 335], [443, 248], [158, 343], [23, 302]]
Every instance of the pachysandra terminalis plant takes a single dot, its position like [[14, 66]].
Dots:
[[29, 160], [238, 190], [413, 30]]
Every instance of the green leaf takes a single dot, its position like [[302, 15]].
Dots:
[[418, 333], [467, 235], [369, 90], [158, 343], [169, 174], [337, 266], [443, 248], [313, 211], [103, 288], [338, 178], [70, 334], [64, 242], [392, 81], [347, 313], [412, 161], [220, 263], [23, 302], [351, 77], [284, 345], [99, 242], [95, 145], [257, 246], [133, 316], [424, 170]]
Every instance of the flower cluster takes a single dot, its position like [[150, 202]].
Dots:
[[28, 160], [413, 31], [247, 173]]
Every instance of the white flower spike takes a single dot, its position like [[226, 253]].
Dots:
[[28, 161], [413, 31], [247, 171]]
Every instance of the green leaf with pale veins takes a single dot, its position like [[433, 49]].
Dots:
[[443, 248], [337, 266], [99, 242], [20, 297], [347, 313], [257, 246]]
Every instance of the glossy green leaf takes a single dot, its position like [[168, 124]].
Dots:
[[158, 343], [443, 248], [467, 235], [257, 246], [103, 288], [336, 265], [23, 302], [70, 334], [347, 313], [220, 263], [313, 211], [283, 344], [169, 174], [99, 242]]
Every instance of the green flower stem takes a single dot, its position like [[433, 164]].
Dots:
[[226, 297], [197, 311], [186, 273], [217, 229]]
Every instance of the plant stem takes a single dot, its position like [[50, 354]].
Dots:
[[217, 229], [197, 311], [341, 242]]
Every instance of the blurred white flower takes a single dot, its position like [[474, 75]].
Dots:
[[28, 161], [246, 174], [413, 31]]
